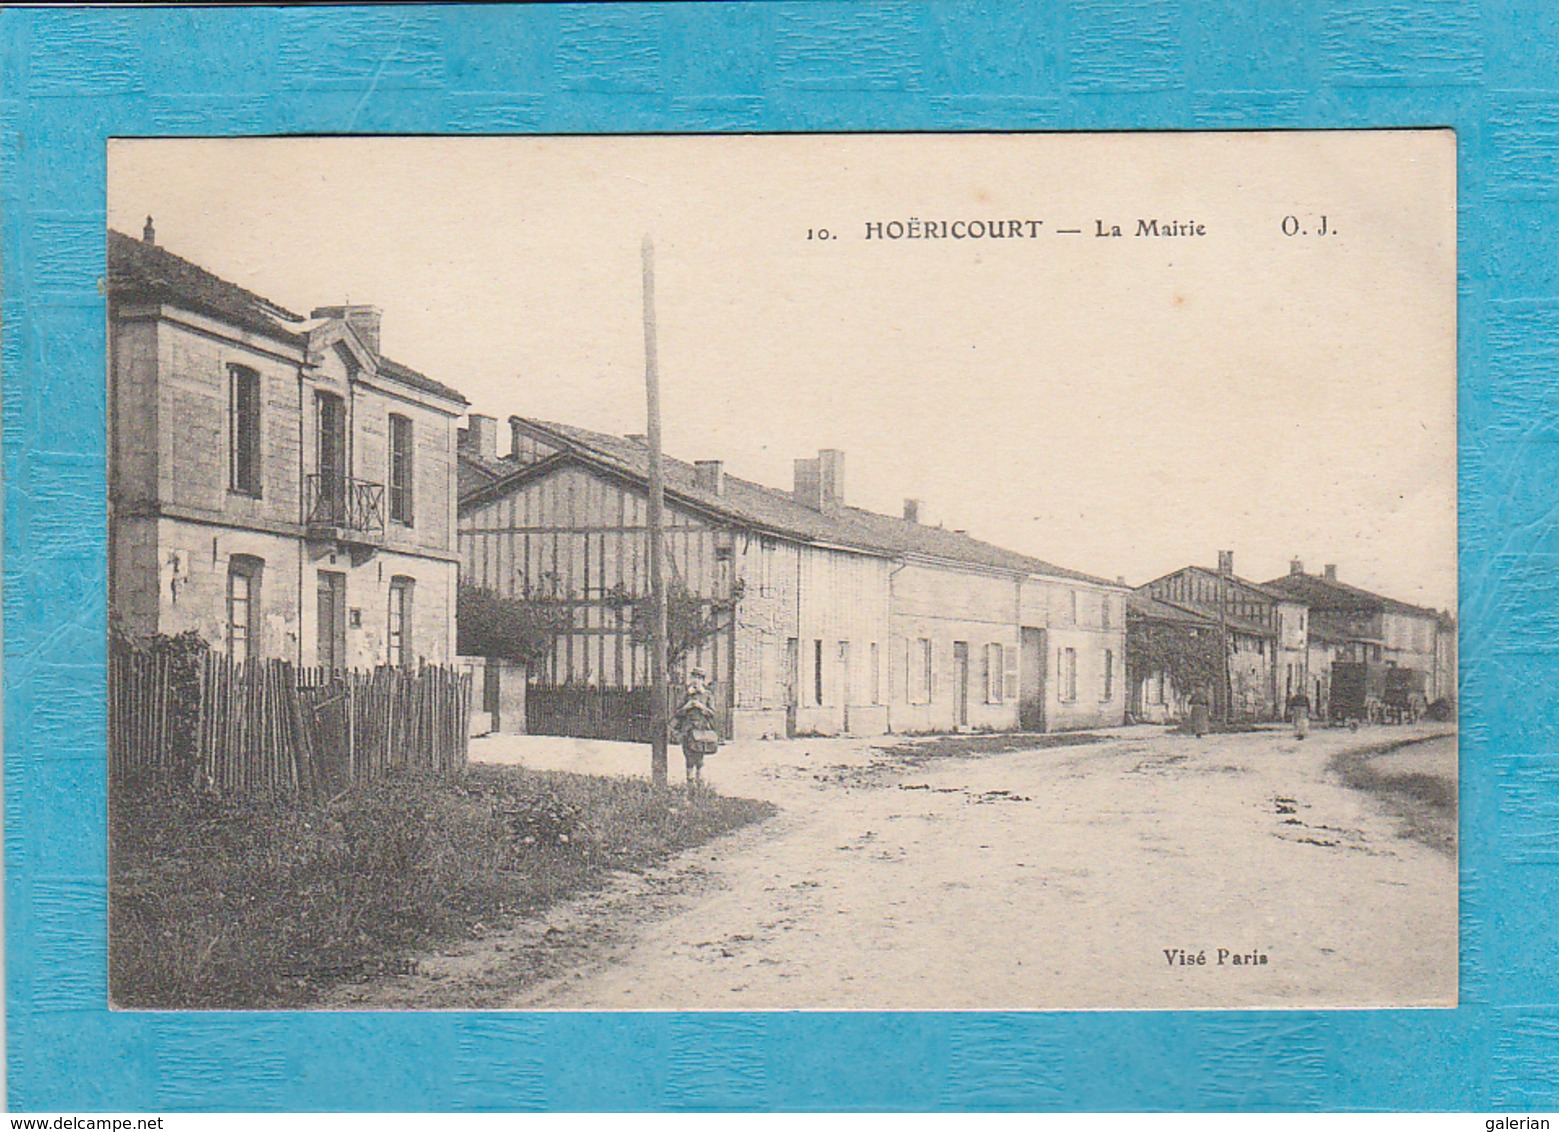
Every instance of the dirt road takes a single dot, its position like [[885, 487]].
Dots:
[[1064, 877]]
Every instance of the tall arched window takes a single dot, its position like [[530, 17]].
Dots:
[[398, 627]]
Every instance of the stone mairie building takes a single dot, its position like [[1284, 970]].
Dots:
[[276, 483]]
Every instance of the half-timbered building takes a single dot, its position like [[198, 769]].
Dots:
[[836, 620], [1266, 635]]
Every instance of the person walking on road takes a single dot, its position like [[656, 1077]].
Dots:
[[1299, 712], [694, 726]]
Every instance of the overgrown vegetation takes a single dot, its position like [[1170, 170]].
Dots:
[[1188, 658], [229, 903], [522, 628], [185, 652], [691, 619]]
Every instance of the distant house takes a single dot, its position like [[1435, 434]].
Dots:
[[844, 621], [1156, 695], [276, 484], [1354, 624], [1266, 631]]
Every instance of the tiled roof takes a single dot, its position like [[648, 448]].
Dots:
[[476, 472], [775, 511], [1188, 613], [1255, 587], [1139, 604], [1321, 593], [137, 269], [407, 376]]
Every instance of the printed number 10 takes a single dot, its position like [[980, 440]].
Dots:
[[819, 234]]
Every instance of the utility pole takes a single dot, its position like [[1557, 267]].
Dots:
[[1223, 632], [658, 698]]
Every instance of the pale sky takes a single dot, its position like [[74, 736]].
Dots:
[[1121, 406]]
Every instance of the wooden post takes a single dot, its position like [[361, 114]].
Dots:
[[658, 728]]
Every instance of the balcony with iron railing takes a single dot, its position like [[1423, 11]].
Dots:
[[344, 509]]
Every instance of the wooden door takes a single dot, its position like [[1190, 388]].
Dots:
[[792, 684], [961, 683], [331, 620], [1031, 694]]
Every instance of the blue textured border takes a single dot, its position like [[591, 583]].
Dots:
[[71, 79]]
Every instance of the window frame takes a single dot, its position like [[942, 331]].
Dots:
[[995, 673], [247, 569], [400, 456], [244, 471], [922, 662], [1066, 674], [398, 652]]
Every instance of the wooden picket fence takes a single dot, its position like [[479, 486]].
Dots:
[[269, 725]]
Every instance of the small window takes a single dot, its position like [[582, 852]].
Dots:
[[876, 675], [1072, 605], [995, 673], [817, 672], [1105, 601], [243, 430], [1109, 676], [1066, 663], [243, 601], [917, 670], [398, 627], [766, 566], [400, 469]]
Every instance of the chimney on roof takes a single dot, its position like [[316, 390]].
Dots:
[[710, 475], [636, 437], [363, 319], [516, 437], [912, 508], [1331, 571], [1226, 563], [1295, 566], [149, 233], [819, 481], [481, 438], [1120, 579]]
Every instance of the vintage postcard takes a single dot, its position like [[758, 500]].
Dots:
[[1037, 552]]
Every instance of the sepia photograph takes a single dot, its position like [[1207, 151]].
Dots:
[[941, 571]]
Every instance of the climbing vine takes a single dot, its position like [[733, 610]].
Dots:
[[1187, 657]]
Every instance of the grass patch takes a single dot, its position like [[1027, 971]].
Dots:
[[1425, 804], [221, 903]]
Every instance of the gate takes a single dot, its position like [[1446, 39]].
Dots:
[[328, 708], [622, 714]]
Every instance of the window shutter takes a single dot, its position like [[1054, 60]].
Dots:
[[1011, 674]]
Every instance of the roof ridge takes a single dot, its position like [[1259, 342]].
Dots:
[[847, 525], [1348, 589], [423, 381], [141, 247]]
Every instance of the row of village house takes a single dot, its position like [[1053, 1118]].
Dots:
[[282, 488]]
